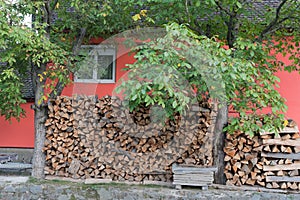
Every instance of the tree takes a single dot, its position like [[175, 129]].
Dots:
[[237, 40], [50, 47], [48, 50]]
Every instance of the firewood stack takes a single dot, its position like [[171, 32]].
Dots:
[[99, 138], [268, 159], [242, 163]]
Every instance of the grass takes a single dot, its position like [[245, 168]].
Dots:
[[53, 182]]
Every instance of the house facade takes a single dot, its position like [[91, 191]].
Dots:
[[88, 81], [92, 81]]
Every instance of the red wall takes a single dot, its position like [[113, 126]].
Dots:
[[290, 89], [18, 134], [21, 134]]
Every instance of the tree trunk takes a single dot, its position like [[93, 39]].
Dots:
[[40, 131], [40, 110], [219, 136], [40, 115]]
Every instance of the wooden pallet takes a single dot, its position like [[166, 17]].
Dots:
[[193, 176]]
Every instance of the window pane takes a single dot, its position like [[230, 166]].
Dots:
[[105, 67], [86, 68]]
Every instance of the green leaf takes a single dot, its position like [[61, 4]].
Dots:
[[174, 104], [238, 4]]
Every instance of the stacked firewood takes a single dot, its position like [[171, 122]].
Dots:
[[281, 158], [242, 163], [99, 138], [268, 159]]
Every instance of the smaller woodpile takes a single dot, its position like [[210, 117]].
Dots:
[[193, 176], [281, 159], [267, 159], [242, 163]]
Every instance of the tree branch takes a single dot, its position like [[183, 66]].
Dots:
[[222, 8], [274, 22], [230, 23], [196, 27], [33, 76], [78, 41], [76, 47], [187, 11]]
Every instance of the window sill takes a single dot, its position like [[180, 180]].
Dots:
[[95, 81]]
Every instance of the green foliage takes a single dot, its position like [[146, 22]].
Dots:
[[232, 19], [254, 33], [169, 70], [10, 95], [49, 48]]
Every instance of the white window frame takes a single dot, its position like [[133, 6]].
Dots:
[[100, 50]]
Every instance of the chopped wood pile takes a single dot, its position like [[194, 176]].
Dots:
[[267, 159], [99, 138], [193, 176]]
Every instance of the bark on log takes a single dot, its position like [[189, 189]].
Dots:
[[219, 136]]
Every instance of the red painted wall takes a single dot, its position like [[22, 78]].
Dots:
[[18, 134], [290, 89]]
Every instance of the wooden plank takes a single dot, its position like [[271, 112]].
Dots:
[[284, 130], [193, 175], [191, 184], [192, 170], [294, 156], [282, 167], [295, 143], [283, 179], [194, 180]]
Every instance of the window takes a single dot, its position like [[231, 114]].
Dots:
[[98, 65]]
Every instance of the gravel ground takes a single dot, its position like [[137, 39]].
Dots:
[[25, 188]]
